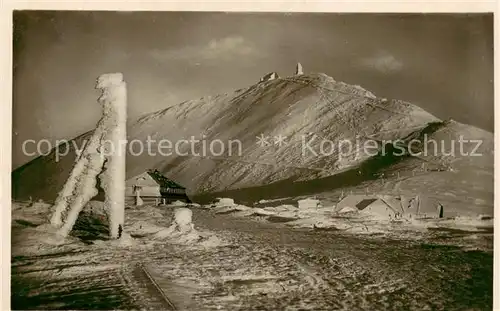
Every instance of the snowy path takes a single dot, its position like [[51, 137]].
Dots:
[[259, 267]]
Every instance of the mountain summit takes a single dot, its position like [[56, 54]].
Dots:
[[288, 129]]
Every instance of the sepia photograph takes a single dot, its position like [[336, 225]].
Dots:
[[211, 160]]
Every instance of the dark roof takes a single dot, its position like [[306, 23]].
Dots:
[[364, 203], [164, 181]]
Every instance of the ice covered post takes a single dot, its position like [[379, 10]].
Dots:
[[114, 102], [138, 199], [105, 151], [183, 219]]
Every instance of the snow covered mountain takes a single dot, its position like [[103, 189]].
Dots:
[[301, 121]]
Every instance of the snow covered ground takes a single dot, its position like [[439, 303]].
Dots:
[[315, 216], [231, 263]]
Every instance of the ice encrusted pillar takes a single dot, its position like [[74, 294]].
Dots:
[[105, 150], [138, 199], [114, 100]]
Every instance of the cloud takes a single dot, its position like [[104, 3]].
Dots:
[[383, 62], [225, 48]]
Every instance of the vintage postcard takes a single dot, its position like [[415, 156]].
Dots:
[[239, 159]]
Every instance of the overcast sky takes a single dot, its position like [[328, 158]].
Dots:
[[443, 63]]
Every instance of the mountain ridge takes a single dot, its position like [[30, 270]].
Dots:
[[292, 107]]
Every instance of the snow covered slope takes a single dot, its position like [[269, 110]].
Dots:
[[305, 109]]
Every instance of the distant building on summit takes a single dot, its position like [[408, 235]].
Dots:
[[270, 76], [298, 69]]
